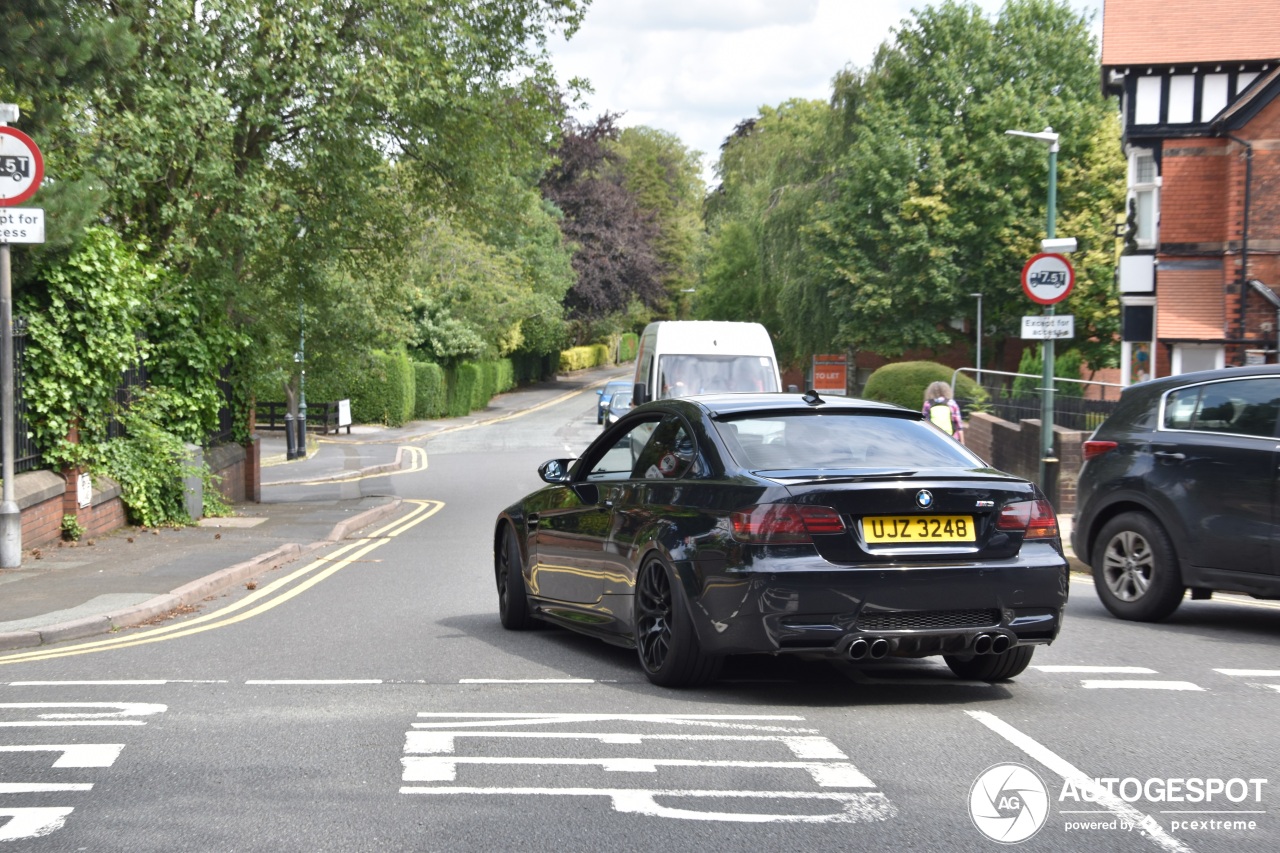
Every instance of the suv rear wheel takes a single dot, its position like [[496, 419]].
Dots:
[[1135, 569]]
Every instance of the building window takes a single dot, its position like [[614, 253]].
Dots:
[[1146, 109], [1213, 98], [1188, 358], [1182, 99], [1144, 193]]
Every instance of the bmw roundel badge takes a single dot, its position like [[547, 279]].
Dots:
[[924, 498]]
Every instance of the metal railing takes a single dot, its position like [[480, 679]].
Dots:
[[1009, 402]]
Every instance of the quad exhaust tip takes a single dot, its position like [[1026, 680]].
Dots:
[[990, 644], [874, 648]]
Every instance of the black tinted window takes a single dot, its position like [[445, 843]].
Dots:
[[1240, 407], [840, 441]]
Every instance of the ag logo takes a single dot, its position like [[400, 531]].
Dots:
[[1008, 803]]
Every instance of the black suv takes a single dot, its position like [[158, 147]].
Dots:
[[1179, 490]]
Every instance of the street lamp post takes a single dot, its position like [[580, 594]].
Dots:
[[1049, 138], [978, 296]]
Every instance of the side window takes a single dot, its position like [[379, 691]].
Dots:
[[616, 461], [1241, 407], [670, 454]]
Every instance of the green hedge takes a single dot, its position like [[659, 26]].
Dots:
[[628, 347], [431, 392], [581, 358], [384, 394], [533, 367], [904, 384]]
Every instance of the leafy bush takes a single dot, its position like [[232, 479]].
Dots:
[[904, 384], [1066, 365], [149, 462]]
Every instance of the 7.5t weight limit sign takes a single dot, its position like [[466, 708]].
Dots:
[[21, 167], [1048, 278]]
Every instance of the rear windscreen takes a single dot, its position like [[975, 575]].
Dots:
[[840, 441]]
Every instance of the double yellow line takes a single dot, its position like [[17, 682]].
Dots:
[[259, 601]]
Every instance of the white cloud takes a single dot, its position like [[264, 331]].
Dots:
[[696, 68]]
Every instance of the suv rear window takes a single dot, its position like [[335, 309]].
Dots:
[[1240, 407], [826, 441]]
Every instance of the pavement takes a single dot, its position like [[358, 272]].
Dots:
[[69, 591]]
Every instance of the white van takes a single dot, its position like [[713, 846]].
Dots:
[[682, 357]]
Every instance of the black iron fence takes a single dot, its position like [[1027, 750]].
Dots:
[[1078, 404], [27, 456]]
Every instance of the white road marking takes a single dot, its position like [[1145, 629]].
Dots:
[[1124, 684], [42, 787], [1142, 822], [1117, 670], [84, 718], [429, 757], [77, 754], [526, 681], [1250, 673], [724, 721], [31, 823], [442, 743], [147, 682], [826, 774], [289, 682], [854, 808]]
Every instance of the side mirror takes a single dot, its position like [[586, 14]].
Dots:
[[599, 392], [554, 471], [639, 394]]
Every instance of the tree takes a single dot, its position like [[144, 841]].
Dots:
[[664, 177], [614, 238], [932, 201], [277, 158], [760, 264]]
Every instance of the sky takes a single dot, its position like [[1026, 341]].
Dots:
[[696, 68]]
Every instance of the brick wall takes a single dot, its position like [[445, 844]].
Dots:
[[1015, 448], [45, 497], [1194, 173]]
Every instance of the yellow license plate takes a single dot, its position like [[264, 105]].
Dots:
[[883, 529]]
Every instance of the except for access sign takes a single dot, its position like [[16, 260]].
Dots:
[[21, 167], [21, 225], [1048, 278], [1048, 327]]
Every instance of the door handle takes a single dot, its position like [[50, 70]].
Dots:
[[1175, 457], [531, 519]]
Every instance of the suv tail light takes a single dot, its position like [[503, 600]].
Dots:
[[1034, 518], [784, 524], [1094, 449]]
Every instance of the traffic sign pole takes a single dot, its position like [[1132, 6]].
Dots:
[[21, 171]]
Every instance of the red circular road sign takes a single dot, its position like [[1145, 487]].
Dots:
[[1048, 278], [21, 167]]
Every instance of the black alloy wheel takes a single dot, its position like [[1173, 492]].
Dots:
[[513, 604], [665, 641], [1135, 569], [996, 667]]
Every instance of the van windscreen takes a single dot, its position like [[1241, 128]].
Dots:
[[682, 375]]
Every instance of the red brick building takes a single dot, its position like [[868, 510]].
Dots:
[[1199, 88]]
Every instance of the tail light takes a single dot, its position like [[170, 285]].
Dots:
[[784, 524], [1036, 519], [1094, 449]]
